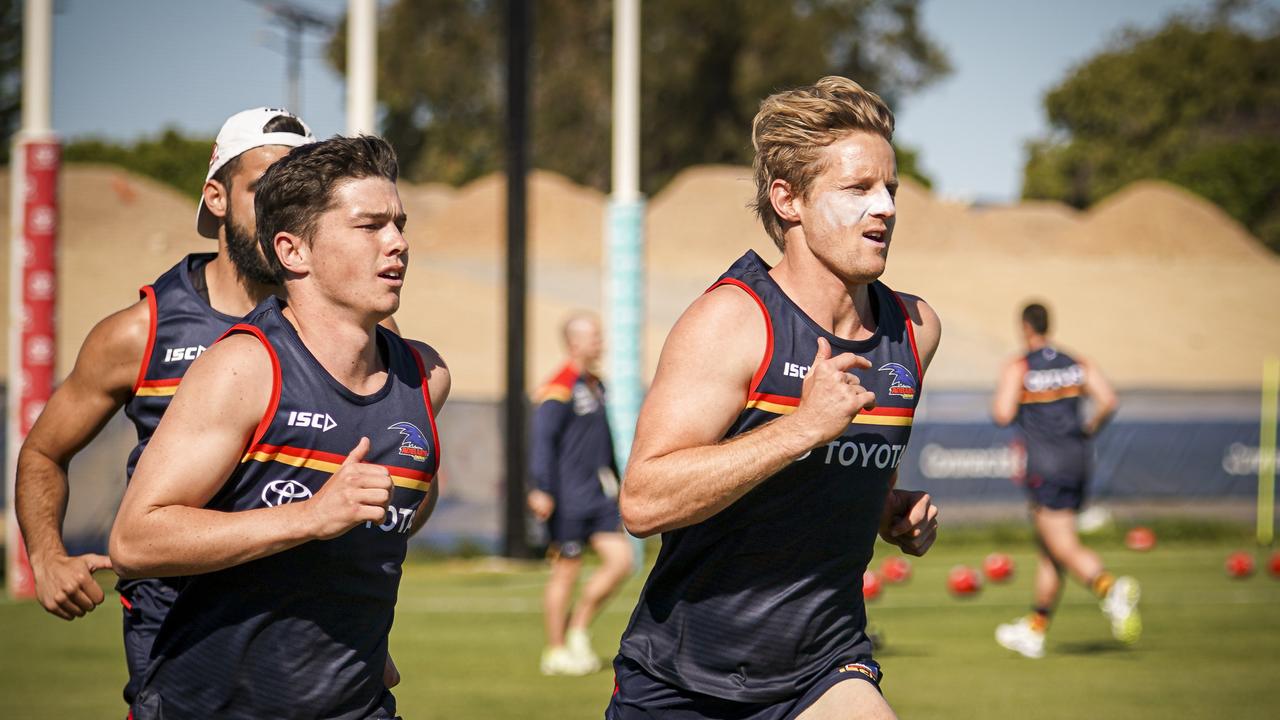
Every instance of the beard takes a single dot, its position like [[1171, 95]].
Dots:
[[242, 249]]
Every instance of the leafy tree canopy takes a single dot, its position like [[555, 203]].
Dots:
[[1195, 102], [705, 68], [170, 157]]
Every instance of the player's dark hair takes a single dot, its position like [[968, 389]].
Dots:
[[1037, 317], [277, 124], [298, 188]]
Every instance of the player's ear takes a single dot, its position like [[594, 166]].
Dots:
[[783, 201], [215, 197], [293, 252]]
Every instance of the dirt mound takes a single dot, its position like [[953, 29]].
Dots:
[[1162, 221], [1146, 283]]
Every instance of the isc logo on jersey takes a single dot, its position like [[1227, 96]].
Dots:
[[320, 421], [180, 354]]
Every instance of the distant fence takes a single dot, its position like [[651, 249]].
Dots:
[[1161, 446]]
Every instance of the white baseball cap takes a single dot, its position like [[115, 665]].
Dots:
[[242, 132]]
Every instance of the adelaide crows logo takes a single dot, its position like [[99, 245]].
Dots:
[[414, 444], [901, 383]]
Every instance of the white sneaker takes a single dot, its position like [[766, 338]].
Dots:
[[1020, 638], [578, 643], [560, 661], [1121, 607]]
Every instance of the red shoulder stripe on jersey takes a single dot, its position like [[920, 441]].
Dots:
[[161, 382], [148, 292], [321, 460], [426, 399], [911, 335], [768, 330], [270, 412]]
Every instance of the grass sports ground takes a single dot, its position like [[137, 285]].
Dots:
[[468, 634]]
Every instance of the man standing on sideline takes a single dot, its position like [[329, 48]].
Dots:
[[135, 359], [1041, 391], [767, 448], [316, 452], [576, 494]]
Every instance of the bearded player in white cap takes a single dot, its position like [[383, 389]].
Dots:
[[135, 359]]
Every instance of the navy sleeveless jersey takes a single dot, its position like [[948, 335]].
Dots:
[[571, 444], [756, 602], [183, 324], [1049, 416], [303, 633]]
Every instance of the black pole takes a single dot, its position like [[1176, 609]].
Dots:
[[519, 25]]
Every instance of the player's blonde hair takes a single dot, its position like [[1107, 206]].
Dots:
[[793, 126]]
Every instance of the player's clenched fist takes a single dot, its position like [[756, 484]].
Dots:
[[65, 584], [831, 396], [356, 493]]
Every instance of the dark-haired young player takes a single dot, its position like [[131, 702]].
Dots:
[[295, 461], [1042, 392]]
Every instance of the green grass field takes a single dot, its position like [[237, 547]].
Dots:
[[467, 638]]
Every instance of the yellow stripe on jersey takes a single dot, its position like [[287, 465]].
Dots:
[[156, 391], [329, 467], [859, 419]]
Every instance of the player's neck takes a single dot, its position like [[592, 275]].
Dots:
[[231, 294], [581, 367], [1036, 342], [843, 309], [345, 345]]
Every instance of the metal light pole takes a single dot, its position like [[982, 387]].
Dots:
[[362, 56], [624, 235]]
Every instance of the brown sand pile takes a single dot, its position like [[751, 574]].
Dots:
[[1154, 283], [118, 232]]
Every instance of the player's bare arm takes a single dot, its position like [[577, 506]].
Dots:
[[98, 386], [163, 529], [681, 472], [439, 383], [1101, 394], [1008, 394], [910, 519]]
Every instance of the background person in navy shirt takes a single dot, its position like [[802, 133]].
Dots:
[[576, 494]]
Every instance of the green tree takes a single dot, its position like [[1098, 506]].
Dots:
[[705, 68], [1195, 102], [10, 73], [172, 158]]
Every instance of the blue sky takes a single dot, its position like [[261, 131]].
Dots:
[[127, 68]]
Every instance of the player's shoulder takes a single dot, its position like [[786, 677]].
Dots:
[[120, 337], [437, 371], [430, 356], [240, 350], [725, 315], [558, 387], [919, 312], [926, 325]]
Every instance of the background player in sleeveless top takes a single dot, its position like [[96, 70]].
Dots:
[[755, 503], [576, 494], [134, 359], [1041, 391], [331, 219]]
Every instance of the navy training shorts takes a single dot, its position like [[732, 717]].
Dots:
[[638, 695], [572, 533]]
